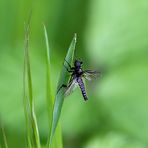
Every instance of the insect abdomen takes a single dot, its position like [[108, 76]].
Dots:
[[82, 87]]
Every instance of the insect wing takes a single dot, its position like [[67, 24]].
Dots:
[[71, 86], [90, 74]]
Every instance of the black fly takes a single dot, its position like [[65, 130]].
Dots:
[[77, 73]]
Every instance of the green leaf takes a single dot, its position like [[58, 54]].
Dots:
[[31, 123], [60, 95]]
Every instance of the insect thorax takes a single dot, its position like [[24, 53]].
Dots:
[[78, 72]]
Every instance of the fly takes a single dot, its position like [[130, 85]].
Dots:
[[76, 78]]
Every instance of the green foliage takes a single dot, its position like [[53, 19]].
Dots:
[[49, 94], [119, 41], [113, 140], [60, 94], [3, 140], [57, 139], [31, 122], [114, 35]]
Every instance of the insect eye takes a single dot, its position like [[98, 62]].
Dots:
[[81, 62]]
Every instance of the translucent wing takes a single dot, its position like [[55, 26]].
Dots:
[[71, 86], [90, 74]]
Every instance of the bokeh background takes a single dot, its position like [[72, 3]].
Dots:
[[112, 36]]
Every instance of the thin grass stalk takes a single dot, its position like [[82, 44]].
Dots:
[[29, 105], [25, 96], [4, 137]]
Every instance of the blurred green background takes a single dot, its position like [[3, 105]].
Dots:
[[113, 35]]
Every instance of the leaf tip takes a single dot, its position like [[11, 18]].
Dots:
[[75, 37]]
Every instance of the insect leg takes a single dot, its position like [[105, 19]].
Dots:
[[68, 63], [65, 86], [71, 69], [62, 86], [68, 69]]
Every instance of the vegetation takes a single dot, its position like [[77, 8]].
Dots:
[[111, 36]]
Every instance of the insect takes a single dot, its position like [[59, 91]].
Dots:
[[76, 78]]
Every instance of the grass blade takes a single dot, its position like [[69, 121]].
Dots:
[[32, 128], [50, 99], [60, 96], [4, 137], [49, 95], [25, 96]]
